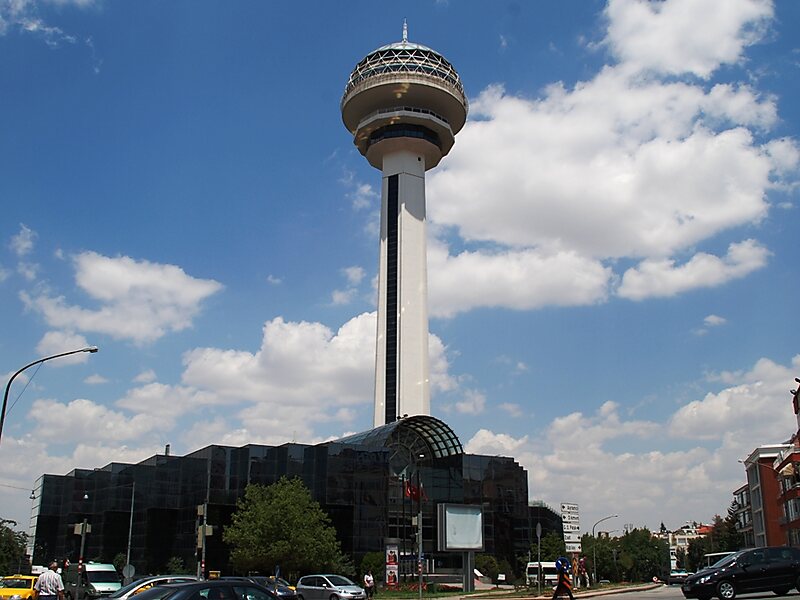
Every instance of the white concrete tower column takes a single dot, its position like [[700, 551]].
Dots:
[[404, 103], [401, 365]]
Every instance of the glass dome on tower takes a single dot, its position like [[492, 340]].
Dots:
[[404, 75]]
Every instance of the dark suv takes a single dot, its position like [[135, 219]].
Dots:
[[775, 569]]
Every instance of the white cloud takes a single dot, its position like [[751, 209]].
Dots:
[[95, 379], [663, 36], [165, 403], [28, 270], [751, 408], [83, 419], [140, 301], [487, 442], [22, 15], [343, 297], [304, 373], [521, 280], [273, 280], [474, 403], [547, 193], [56, 342], [577, 457], [146, 376], [22, 243], [513, 410], [354, 274], [714, 321], [661, 278]]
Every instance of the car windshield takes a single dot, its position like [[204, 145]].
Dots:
[[9, 582], [103, 576], [339, 580], [126, 588], [726, 560]]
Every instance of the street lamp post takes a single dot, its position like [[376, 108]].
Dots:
[[91, 349], [419, 524], [84, 529], [130, 527], [594, 546]]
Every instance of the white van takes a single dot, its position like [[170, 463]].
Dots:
[[549, 573], [96, 580]]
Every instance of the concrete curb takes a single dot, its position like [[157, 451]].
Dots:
[[576, 593]]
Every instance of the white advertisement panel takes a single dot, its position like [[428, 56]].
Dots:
[[460, 527]]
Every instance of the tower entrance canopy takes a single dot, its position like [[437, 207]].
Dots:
[[409, 441]]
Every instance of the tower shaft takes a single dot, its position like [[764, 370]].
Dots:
[[404, 104], [401, 369]]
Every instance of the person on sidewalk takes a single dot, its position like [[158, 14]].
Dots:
[[369, 584], [564, 584]]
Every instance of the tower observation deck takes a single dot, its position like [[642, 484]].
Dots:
[[404, 104]]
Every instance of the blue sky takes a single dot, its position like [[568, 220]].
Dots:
[[612, 241]]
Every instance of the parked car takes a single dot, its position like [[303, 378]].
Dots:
[[279, 587], [145, 583], [775, 569], [18, 587], [677, 576], [214, 589], [328, 587]]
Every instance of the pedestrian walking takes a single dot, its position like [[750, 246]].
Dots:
[[49, 586], [564, 584], [369, 584]]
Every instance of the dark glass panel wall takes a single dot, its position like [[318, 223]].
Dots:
[[359, 486]]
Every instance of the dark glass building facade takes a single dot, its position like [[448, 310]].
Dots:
[[360, 481]]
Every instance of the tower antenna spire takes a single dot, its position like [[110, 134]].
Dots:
[[405, 31]]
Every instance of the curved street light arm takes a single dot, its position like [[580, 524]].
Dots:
[[91, 349], [594, 545]]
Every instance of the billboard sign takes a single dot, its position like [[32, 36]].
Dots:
[[460, 527]]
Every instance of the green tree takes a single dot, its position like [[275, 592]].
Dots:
[[552, 547], [643, 555], [731, 539], [12, 547], [119, 561], [503, 566], [175, 566], [603, 550], [487, 564], [374, 562], [282, 525]]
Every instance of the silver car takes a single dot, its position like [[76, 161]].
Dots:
[[328, 587]]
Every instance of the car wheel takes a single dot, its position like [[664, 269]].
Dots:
[[725, 590], [333, 597], [781, 591], [300, 597]]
